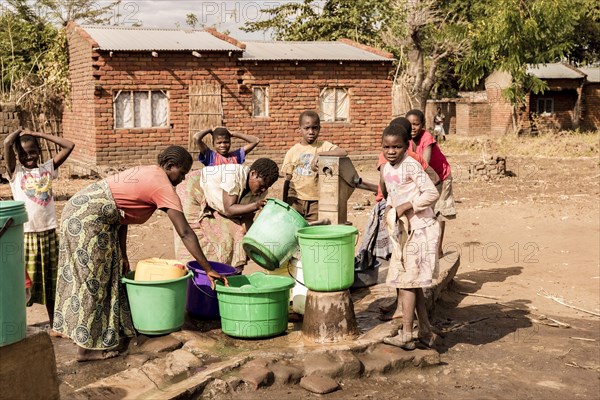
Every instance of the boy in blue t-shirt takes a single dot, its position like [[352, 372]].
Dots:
[[222, 143]]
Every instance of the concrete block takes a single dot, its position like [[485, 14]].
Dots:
[[285, 374], [319, 384], [257, 377], [161, 344], [28, 369]]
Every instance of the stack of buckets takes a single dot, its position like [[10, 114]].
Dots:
[[13, 322], [327, 251]]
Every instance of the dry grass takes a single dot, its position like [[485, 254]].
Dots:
[[564, 144]]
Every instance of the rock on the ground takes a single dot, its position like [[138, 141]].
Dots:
[[180, 361], [161, 344], [286, 374], [185, 336], [260, 362], [203, 348], [136, 360], [130, 383], [215, 388], [234, 383], [386, 359], [319, 384], [155, 371], [345, 364], [257, 377]]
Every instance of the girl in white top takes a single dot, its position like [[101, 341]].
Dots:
[[414, 232], [32, 183]]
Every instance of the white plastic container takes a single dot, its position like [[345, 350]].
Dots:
[[298, 295]]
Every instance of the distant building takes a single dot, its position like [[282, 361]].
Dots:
[[137, 90], [571, 101]]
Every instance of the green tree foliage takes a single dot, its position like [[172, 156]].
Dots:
[[506, 35], [586, 35], [461, 39], [191, 20], [360, 21], [27, 42], [85, 11]]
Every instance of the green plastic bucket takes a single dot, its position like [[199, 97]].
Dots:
[[254, 306], [157, 307], [328, 256], [271, 240], [13, 322]]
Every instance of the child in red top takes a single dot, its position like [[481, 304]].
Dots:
[[427, 147], [222, 143]]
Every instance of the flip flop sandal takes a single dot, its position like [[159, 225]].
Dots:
[[399, 342]]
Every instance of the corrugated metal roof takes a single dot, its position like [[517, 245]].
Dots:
[[307, 51], [146, 39], [553, 71], [593, 73]]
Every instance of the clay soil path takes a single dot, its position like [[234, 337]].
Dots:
[[520, 239]]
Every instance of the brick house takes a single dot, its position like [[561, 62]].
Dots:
[[136, 90], [571, 101]]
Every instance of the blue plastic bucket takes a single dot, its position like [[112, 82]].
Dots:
[[202, 300]]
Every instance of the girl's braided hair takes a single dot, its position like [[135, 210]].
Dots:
[[267, 169], [176, 156]]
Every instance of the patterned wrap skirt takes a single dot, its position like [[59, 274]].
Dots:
[[91, 304], [41, 262]]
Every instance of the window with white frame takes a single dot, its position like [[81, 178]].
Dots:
[[260, 101], [141, 108], [545, 106], [334, 104]]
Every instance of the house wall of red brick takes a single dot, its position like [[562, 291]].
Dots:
[[591, 107], [292, 89], [564, 105], [78, 117], [295, 88]]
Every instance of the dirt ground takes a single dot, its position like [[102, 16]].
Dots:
[[523, 241]]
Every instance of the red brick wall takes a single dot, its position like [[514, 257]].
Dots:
[[78, 117], [295, 88], [292, 89], [500, 121], [591, 107], [564, 105], [472, 118]]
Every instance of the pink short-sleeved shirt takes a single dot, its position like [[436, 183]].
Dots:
[[438, 161], [139, 191]]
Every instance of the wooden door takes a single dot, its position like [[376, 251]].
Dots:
[[206, 110]]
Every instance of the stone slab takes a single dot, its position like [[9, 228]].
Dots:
[[319, 384], [160, 345], [29, 361]]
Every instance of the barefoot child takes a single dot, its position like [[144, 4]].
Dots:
[[32, 183], [427, 147], [301, 186], [222, 143], [414, 232]]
